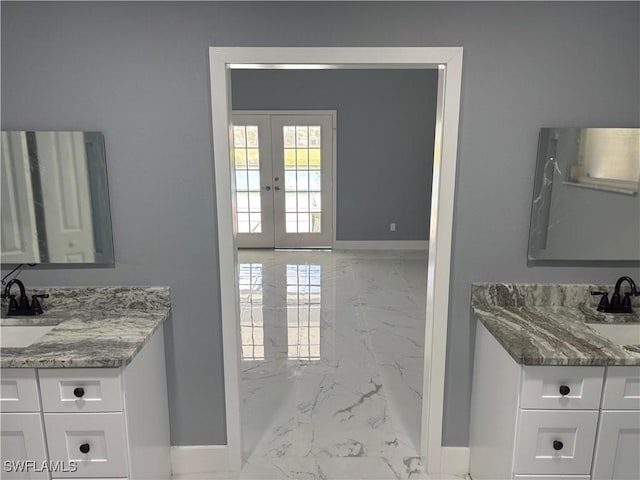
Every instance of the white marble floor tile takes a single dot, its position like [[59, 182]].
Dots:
[[332, 378]]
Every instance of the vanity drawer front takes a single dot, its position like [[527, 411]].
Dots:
[[22, 441], [19, 390], [555, 442], [95, 441], [81, 390], [622, 389], [572, 388]]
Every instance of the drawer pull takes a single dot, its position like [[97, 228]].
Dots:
[[85, 447], [78, 392], [564, 390], [558, 445]]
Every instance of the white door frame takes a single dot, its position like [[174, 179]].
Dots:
[[334, 149], [448, 61]]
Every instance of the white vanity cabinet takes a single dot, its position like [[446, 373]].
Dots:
[[22, 430], [552, 422], [108, 423], [617, 454]]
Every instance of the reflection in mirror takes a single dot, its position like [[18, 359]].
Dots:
[[55, 198], [586, 205]]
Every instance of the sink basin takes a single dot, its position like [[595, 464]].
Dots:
[[22, 336], [620, 333]]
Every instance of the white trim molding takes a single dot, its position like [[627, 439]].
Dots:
[[448, 61], [381, 245], [455, 460], [193, 459]]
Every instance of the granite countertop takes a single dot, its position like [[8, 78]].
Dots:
[[549, 324], [95, 326]]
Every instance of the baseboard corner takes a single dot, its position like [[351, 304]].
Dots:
[[194, 459], [455, 460]]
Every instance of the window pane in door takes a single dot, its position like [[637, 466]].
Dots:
[[247, 173], [290, 181], [303, 162]]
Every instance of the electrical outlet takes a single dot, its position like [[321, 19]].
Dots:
[[392, 227]]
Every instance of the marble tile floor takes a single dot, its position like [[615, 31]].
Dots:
[[332, 347], [228, 476]]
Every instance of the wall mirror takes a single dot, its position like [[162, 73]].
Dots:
[[585, 203], [55, 199]]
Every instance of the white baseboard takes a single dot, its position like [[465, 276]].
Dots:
[[199, 459], [454, 460], [381, 245]]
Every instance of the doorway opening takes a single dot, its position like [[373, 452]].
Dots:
[[448, 61]]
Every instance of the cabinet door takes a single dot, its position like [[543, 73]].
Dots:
[[617, 448], [22, 446]]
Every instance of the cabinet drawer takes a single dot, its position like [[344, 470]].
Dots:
[[555, 442], [622, 389], [572, 388], [81, 390], [19, 390], [95, 441], [22, 440]]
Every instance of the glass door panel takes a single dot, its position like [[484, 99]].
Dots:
[[252, 171], [302, 154]]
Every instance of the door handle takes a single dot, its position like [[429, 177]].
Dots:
[[276, 188], [267, 188]]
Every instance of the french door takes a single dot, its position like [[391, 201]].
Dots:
[[282, 165]]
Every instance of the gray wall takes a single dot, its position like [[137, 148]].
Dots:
[[386, 123], [139, 73]]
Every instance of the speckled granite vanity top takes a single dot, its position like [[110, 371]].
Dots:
[[549, 324], [95, 326]]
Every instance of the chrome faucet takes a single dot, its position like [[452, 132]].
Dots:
[[22, 306], [618, 305]]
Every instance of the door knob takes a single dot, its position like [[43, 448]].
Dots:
[[267, 188], [276, 188]]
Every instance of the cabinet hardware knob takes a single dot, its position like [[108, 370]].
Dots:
[[564, 390], [267, 188], [85, 447], [558, 445], [78, 392]]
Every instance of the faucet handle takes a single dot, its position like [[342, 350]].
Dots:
[[604, 302], [35, 304], [13, 303]]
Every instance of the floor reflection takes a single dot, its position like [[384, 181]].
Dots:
[[303, 311], [251, 319], [333, 356]]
